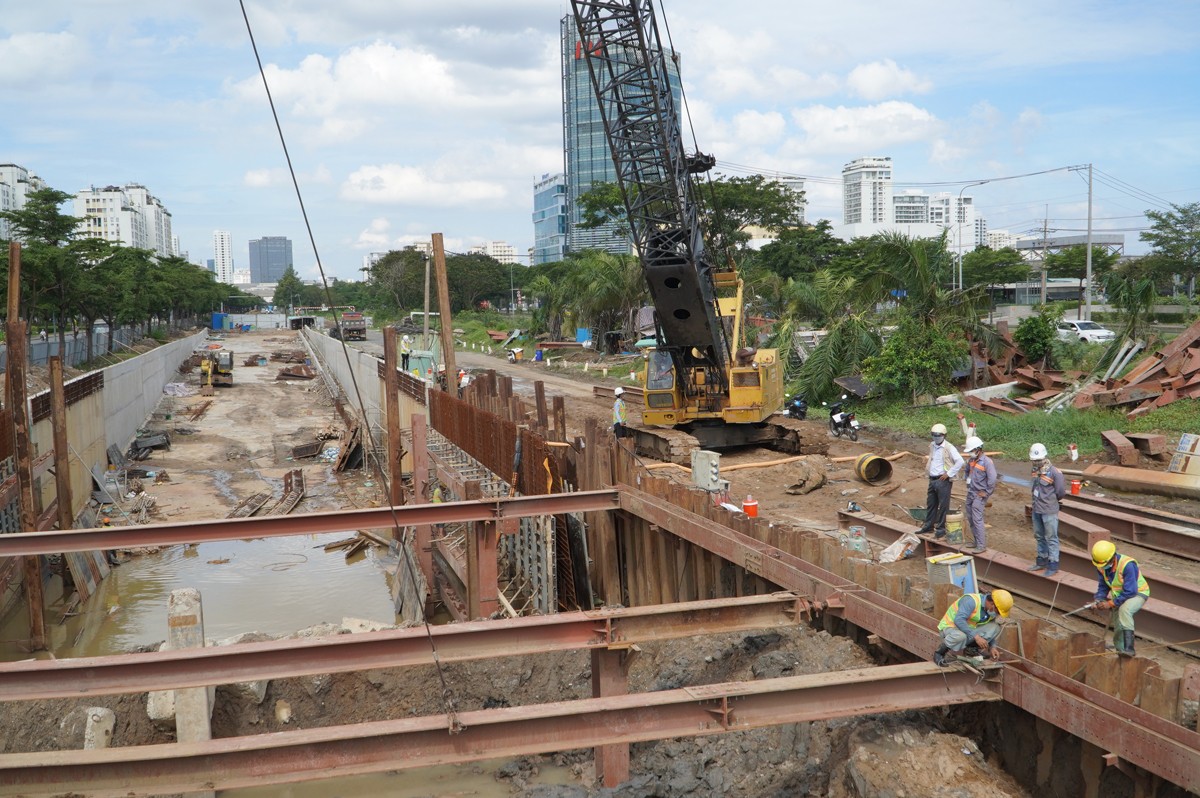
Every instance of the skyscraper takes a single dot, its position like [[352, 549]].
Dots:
[[270, 257], [223, 256], [16, 182], [586, 153], [867, 191], [549, 219]]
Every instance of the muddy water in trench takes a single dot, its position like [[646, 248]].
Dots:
[[272, 585]]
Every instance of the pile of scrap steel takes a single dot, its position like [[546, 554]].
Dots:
[[296, 372], [290, 356], [255, 360], [1170, 373], [144, 444]]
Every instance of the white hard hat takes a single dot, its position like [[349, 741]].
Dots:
[[972, 444], [619, 392], [1037, 452], [938, 429]]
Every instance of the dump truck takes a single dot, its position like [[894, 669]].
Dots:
[[353, 327]]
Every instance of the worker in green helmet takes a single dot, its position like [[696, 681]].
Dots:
[[1122, 589]]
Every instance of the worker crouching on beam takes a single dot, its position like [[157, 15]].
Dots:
[[972, 618], [1122, 589]]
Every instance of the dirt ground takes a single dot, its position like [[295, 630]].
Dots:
[[238, 448]]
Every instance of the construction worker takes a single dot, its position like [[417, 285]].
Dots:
[[972, 619], [405, 351], [1049, 486], [981, 482], [1122, 589], [941, 465], [620, 414]]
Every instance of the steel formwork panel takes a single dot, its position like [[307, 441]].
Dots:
[[312, 754]]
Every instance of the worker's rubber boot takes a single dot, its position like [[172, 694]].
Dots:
[[939, 656], [1051, 568], [1039, 565], [1126, 650]]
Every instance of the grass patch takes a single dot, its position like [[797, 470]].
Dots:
[[1014, 434]]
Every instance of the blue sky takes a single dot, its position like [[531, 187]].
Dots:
[[412, 117]]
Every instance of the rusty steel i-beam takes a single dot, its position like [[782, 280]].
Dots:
[[395, 648], [58, 542], [312, 754]]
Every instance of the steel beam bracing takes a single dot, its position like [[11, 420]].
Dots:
[[395, 648], [58, 542], [1142, 738], [312, 754], [1142, 526], [1176, 625]]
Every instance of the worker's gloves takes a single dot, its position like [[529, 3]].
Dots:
[[1106, 605]]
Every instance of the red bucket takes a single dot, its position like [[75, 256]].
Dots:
[[1076, 485]]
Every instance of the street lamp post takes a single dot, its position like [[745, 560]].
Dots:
[[961, 221], [512, 294]]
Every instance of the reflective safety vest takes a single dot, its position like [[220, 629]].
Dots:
[[978, 617], [1117, 584], [619, 414]]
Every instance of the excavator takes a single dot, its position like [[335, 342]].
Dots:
[[216, 368], [703, 384]]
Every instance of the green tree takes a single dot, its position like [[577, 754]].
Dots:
[[398, 279], [1132, 289], [289, 290], [802, 250], [1072, 263], [851, 332], [474, 279], [605, 290], [1174, 236], [991, 267], [1035, 335], [917, 359]]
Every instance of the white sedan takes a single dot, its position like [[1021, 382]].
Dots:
[[1086, 331]]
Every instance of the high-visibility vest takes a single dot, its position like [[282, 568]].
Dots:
[[619, 414], [1117, 583], [978, 617]]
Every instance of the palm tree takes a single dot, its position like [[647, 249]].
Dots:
[[606, 290], [851, 332], [1134, 291]]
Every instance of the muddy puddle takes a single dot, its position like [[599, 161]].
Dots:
[[273, 585]]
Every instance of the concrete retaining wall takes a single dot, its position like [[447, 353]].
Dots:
[[133, 388], [332, 358]]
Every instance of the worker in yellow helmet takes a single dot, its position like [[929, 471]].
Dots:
[[972, 618], [1122, 589]]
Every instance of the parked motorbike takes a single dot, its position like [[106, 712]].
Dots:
[[842, 421], [796, 407]]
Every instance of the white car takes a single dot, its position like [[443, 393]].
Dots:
[[1086, 331]]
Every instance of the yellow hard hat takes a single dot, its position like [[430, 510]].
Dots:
[[1003, 601], [1102, 552]]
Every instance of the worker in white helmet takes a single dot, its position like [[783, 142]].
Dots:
[[1049, 486], [405, 352], [941, 466], [620, 416], [981, 482]]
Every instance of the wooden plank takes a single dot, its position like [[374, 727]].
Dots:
[[1148, 443]]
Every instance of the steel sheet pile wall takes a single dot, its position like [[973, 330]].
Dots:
[[661, 550], [492, 441], [133, 388]]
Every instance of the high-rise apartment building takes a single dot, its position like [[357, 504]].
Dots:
[[128, 215], [223, 256], [500, 250], [16, 183], [796, 186], [549, 219], [586, 154], [911, 207], [270, 257], [867, 191]]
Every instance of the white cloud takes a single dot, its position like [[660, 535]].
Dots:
[[862, 129], [754, 128], [278, 176], [943, 152], [880, 79], [28, 60], [417, 185]]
